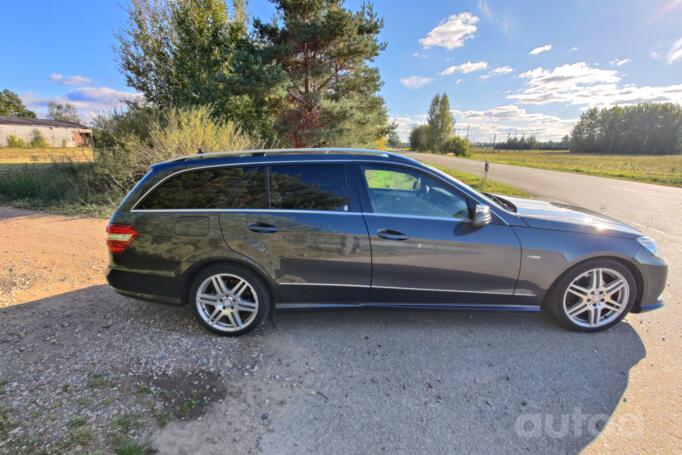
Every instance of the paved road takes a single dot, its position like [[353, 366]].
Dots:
[[652, 207], [408, 382]]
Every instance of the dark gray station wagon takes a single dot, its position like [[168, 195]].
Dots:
[[235, 235]]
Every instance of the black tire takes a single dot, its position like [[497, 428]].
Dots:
[[256, 286], [554, 301]]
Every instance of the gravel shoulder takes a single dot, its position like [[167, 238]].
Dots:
[[87, 371]]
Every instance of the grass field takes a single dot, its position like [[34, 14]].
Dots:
[[662, 169], [476, 182], [45, 155]]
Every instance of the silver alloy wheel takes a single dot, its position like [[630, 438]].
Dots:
[[596, 297], [227, 302]]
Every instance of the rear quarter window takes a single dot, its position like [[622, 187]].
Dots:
[[215, 188]]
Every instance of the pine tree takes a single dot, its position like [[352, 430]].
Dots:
[[329, 95]]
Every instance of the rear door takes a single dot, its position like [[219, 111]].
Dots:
[[311, 238], [425, 248]]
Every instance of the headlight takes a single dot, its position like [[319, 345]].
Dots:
[[648, 243]]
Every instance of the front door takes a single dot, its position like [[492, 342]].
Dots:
[[425, 248]]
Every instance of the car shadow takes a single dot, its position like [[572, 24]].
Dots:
[[399, 381], [493, 382]]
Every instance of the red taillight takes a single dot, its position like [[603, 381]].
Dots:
[[119, 237]]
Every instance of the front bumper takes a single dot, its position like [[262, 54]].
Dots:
[[651, 306], [654, 273]]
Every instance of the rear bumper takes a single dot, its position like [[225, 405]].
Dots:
[[145, 287]]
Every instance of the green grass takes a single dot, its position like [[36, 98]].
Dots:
[[55, 187], [659, 169], [476, 182]]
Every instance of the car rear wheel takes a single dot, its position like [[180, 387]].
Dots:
[[593, 296], [229, 300]]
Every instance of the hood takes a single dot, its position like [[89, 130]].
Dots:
[[563, 217]]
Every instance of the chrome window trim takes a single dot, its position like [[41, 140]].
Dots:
[[211, 166], [318, 212], [351, 159], [421, 217]]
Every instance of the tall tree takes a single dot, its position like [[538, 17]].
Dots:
[[11, 106], [180, 52], [329, 94], [393, 139], [441, 123], [65, 112]]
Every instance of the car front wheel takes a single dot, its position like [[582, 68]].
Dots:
[[229, 300], [593, 296]]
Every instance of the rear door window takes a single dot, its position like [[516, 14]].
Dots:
[[309, 187], [214, 188]]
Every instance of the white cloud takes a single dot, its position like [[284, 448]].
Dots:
[[70, 80], [502, 70], [581, 84], [574, 49], [415, 82], [619, 61], [484, 76], [675, 52], [468, 67], [459, 81], [484, 8], [511, 119], [541, 49], [655, 55], [87, 100], [452, 32], [500, 121]]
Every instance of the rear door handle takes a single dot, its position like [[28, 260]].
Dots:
[[390, 234], [262, 228]]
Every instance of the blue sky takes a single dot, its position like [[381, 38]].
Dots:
[[528, 67]]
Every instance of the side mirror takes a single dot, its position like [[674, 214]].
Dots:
[[482, 215]]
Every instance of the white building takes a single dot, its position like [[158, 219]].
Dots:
[[55, 132]]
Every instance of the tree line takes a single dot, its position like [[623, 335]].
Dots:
[[303, 79], [646, 129]]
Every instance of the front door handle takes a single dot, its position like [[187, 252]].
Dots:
[[390, 234], [262, 228]]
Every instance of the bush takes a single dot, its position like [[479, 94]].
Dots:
[[37, 140], [457, 145], [126, 144], [16, 142], [419, 138]]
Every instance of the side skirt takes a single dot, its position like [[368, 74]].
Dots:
[[409, 306]]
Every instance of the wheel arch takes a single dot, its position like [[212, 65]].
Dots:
[[639, 280], [189, 275]]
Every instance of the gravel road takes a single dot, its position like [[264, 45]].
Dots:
[[86, 370]]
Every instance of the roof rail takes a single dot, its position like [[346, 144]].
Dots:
[[293, 151]]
